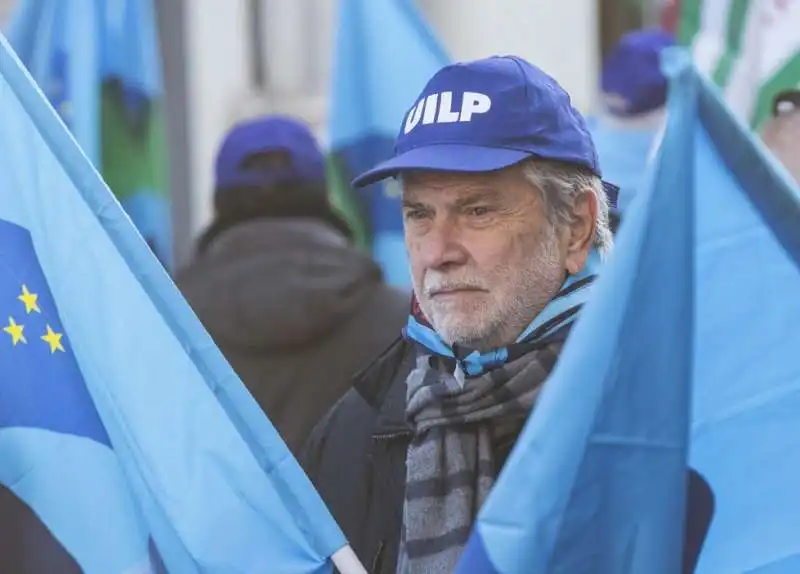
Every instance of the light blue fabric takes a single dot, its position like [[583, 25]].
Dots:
[[82, 505], [152, 216], [389, 249], [746, 399], [623, 154], [385, 52], [59, 42], [71, 47], [217, 489]]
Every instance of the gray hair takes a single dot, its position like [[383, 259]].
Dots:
[[561, 184]]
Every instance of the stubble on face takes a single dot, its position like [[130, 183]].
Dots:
[[503, 265]]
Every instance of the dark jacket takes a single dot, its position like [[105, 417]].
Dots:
[[296, 310], [356, 459]]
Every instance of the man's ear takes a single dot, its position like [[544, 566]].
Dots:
[[580, 233]]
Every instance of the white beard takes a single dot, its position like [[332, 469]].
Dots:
[[517, 293]]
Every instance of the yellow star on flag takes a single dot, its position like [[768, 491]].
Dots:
[[15, 331], [54, 339], [30, 300]]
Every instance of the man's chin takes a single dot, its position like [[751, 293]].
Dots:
[[465, 332]]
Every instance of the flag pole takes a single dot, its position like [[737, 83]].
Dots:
[[347, 562]]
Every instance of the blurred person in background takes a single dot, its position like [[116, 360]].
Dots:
[[506, 219], [634, 96], [293, 306], [781, 133]]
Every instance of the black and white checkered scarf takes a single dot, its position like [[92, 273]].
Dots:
[[459, 412]]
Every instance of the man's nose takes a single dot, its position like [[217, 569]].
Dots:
[[442, 246]]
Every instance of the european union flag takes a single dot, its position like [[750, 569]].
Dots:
[[122, 429], [385, 53], [52, 441], [697, 306]]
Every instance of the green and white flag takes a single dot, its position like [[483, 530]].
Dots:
[[751, 49]]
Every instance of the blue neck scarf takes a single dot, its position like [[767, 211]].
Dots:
[[562, 310]]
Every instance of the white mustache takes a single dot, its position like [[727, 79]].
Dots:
[[433, 285]]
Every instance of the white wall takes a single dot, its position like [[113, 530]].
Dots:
[[297, 38], [218, 81], [560, 36]]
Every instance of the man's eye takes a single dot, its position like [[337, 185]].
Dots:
[[479, 211], [415, 214]]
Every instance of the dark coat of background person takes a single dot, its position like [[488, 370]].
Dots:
[[356, 459], [292, 305]]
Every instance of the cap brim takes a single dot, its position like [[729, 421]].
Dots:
[[443, 157], [460, 158]]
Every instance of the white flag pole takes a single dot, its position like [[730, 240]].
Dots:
[[347, 562]]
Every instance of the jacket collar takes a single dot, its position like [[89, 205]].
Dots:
[[383, 386]]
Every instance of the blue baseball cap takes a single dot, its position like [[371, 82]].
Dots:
[[487, 115], [632, 80], [303, 159]]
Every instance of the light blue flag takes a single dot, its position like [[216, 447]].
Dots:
[[98, 62], [746, 400], [742, 509], [624, 153], [385, 54], [122, 428], [597, 480], [58, 42]]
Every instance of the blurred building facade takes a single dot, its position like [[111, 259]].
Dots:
[[226, 61]]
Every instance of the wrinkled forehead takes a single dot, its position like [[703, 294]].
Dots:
[[424, 183]]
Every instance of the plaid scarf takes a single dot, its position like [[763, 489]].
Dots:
[[461, 405]]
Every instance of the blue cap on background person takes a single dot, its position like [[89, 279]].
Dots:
[[632, 80], [487, 115], [270, 167], [269, 151], [634, 97]]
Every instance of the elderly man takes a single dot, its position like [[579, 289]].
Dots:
[[506, 220]]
